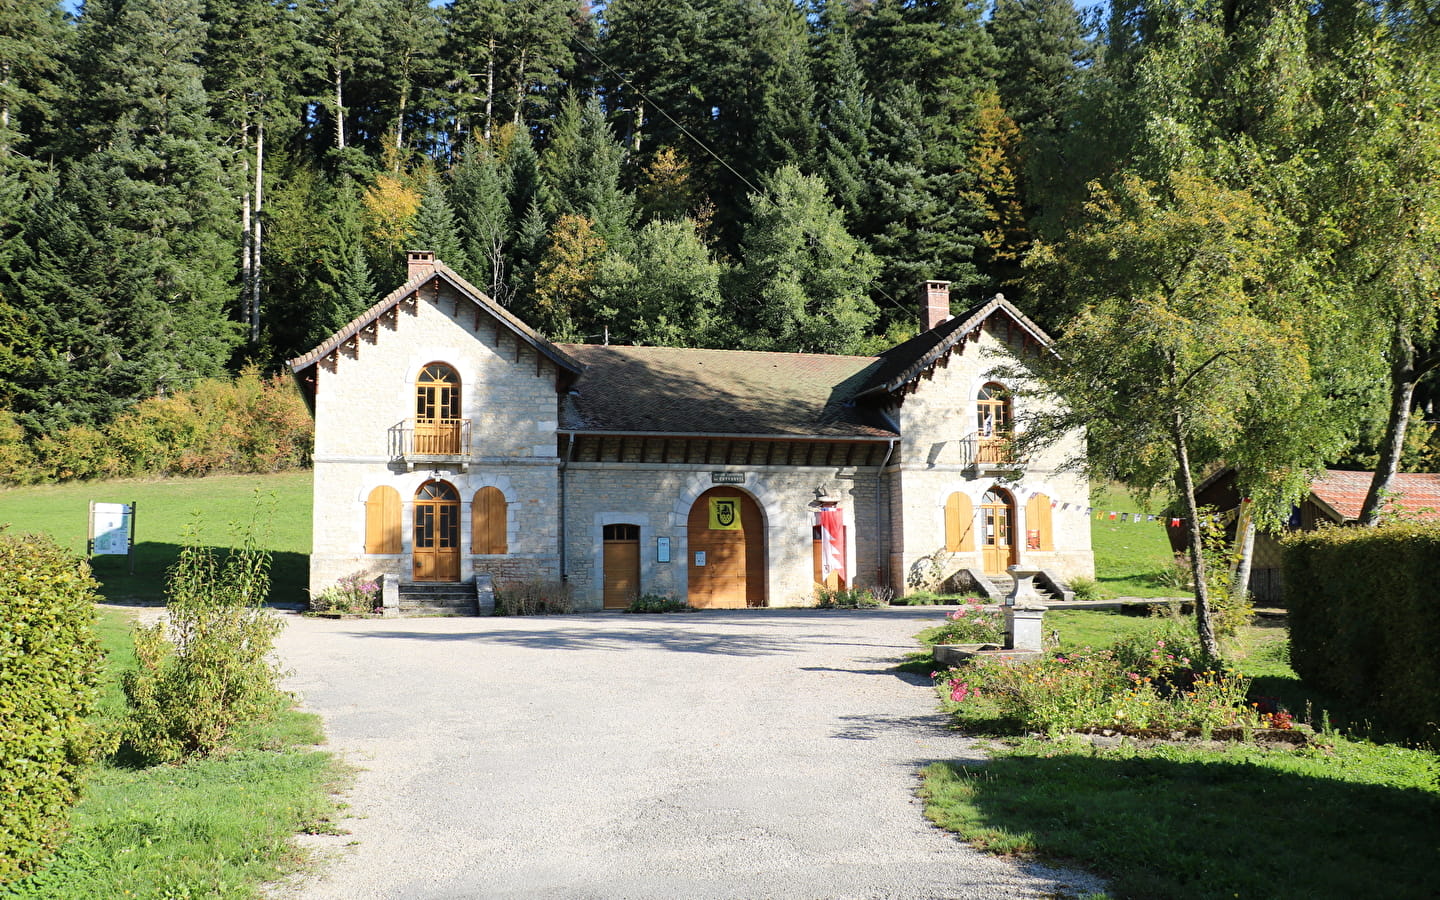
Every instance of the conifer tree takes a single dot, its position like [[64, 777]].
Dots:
[[581, 168], [806, 277], [434, 227], [483, 218], [33, 39]]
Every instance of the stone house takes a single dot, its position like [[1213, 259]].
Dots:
[[453, 442]]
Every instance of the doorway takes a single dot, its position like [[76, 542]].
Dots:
[[621, 562], [997, 532], [727, 550], [437, 533]]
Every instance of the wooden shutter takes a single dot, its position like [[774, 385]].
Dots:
[[487, 522], [959, 524], [1037, 521], [382, 521]]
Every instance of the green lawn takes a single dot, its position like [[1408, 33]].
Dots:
[[165, 509], [1343, 818], [214, 827], [1130, 557]]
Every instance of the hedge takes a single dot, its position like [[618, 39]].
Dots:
[[49, 668], [1365, 619]]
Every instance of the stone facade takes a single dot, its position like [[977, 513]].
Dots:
[[892, 491]]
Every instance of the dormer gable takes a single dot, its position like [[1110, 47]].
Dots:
[[429, 277]]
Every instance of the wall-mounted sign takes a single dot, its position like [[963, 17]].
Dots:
[[725, 514], [727, 477], [662, 549], [699, 557]]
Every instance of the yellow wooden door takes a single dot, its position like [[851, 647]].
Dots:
[[727, 564], [436, 550], [621, 565], [997, 518], [437, 411]]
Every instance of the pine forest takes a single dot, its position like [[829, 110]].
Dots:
[[190, 189]]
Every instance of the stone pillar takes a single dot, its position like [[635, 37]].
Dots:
[[389, 595], [1024, 612], [484, 594]]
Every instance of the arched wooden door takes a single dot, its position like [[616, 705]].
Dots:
[[622, 565], [727, 550], [437, 532], [997, 531]]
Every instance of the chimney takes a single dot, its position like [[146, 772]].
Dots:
[[422, 262], [934, 304]]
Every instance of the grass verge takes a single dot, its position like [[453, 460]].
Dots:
[[214, 827], [1340, 818]]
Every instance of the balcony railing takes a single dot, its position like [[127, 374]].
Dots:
[[987, 453], [431, 440]]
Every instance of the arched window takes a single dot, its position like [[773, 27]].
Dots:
[[992, 424], [959, 524], [382, 520], [488, 521], [437, 410]]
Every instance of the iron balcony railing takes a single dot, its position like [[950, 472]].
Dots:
[[431, 438]]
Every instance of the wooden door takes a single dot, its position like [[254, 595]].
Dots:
[[992, 424], [997, 531], [437, 533], [437, 411], [621, 565], [727, 550]]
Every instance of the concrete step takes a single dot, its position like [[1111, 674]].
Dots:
[[442, 598]]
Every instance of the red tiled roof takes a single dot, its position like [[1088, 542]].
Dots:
[[667, 390], [1416, 493]]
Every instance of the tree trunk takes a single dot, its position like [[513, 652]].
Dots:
[[5, 108], [339, 108], [519, 87], [247, 236], [404, 101], [257, 230], [639, 125], [1245, 534], [1402, 390], [490, 89], [1186, 486]]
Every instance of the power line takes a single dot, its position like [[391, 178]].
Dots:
[[698, 142]]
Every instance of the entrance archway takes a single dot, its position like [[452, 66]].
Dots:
[[727, 550], [437, 532], [997, 530]]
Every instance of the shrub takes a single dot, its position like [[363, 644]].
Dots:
[[534, 598], [49, 670], [1085, 588], [921, 598], [351, 594], [212, 672], [846, 598], [1363, 623], [970, 624], [658, 603]]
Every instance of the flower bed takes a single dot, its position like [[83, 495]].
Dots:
[[1143, 687]]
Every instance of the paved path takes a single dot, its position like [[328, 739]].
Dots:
[[725, 754]]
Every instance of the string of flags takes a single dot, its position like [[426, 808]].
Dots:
[[1101, 514]]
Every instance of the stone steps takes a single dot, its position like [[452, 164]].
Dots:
[[437, 599]]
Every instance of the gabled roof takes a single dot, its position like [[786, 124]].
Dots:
[[465, 289], [667, 390], [1417, 494], [903, 364]]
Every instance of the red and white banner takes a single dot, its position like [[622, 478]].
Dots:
[[832, 542]]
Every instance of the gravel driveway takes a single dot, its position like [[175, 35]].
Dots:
[[744, 753]]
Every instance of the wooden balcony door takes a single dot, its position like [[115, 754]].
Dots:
[[992, 424], [997, 531], [437, 411], [437, 533]]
